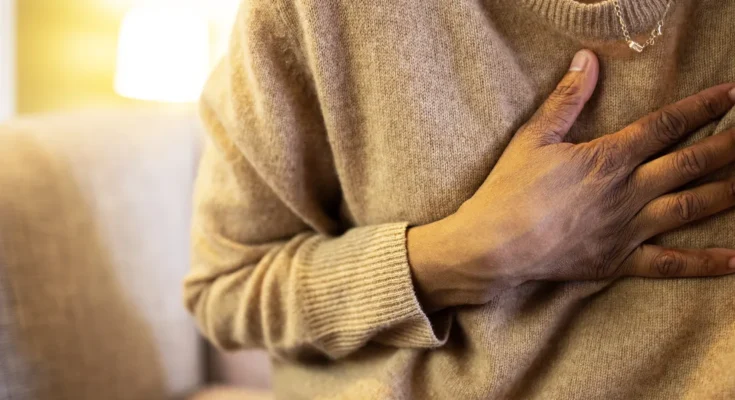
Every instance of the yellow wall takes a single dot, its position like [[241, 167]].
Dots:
[[66, 53]]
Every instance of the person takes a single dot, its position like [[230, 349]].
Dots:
[[423, 200]]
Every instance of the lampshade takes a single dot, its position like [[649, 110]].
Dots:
[[163, 53]]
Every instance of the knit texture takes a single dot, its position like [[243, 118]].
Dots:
[[334, 125], [599, 19]]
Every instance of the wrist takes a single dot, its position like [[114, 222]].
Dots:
[[427, 264], [445, 266]]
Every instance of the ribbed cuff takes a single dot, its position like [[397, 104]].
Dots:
[[359, 285]]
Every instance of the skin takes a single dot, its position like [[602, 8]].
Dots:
[[556, 211]]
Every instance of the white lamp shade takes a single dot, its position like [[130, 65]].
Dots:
[[163, 53]]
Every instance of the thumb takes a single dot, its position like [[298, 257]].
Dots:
[[552, 121]]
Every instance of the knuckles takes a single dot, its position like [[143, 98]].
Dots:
[[708, 106], [567, 93], [669, 264], [669, 125], [688, 206], [604, 159], [706, 266], [691, 163]]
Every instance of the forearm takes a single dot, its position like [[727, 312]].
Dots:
[[313, 293], [262, 277]]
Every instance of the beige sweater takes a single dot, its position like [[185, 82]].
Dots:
[[336, 124]]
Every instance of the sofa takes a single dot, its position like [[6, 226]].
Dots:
[[94, 243]]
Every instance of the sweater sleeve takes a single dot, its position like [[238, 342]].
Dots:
[[273, 264]]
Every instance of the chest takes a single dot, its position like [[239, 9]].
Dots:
[[429, 103]]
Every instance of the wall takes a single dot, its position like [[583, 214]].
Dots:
[[7, 59], [67, 51], [66, 54]]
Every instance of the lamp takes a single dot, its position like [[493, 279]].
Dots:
[[163, 53]]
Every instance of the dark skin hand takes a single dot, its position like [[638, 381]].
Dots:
[[556, 211]]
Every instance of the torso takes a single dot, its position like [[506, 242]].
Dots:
[[443, 101]]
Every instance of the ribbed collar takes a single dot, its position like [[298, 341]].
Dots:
[[599, 20]]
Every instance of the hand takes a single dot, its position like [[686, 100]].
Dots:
[[552, 210]]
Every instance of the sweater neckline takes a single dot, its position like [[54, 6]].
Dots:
[[599, 20]]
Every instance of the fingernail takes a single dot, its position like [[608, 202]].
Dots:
[[732, 263], [732, 94], [580, 61]]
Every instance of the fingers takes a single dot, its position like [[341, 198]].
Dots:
[[677, 209], [671, 171], [661, 129], [555, 117], [652, 261]]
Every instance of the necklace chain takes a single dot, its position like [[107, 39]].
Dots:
[[656, 32]]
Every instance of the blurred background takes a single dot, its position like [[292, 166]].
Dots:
[[99, 147], [68, 54]]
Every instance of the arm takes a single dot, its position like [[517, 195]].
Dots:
[[273, 266], [551, 210]]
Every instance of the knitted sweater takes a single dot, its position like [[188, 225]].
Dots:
[[334, 125]]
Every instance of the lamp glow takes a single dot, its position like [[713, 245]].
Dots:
[[163, 54]]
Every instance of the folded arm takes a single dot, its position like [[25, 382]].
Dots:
[[274, 266]]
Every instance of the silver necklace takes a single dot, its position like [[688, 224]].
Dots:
[[656, 32]]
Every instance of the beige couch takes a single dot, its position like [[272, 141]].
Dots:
[[94, 242]]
